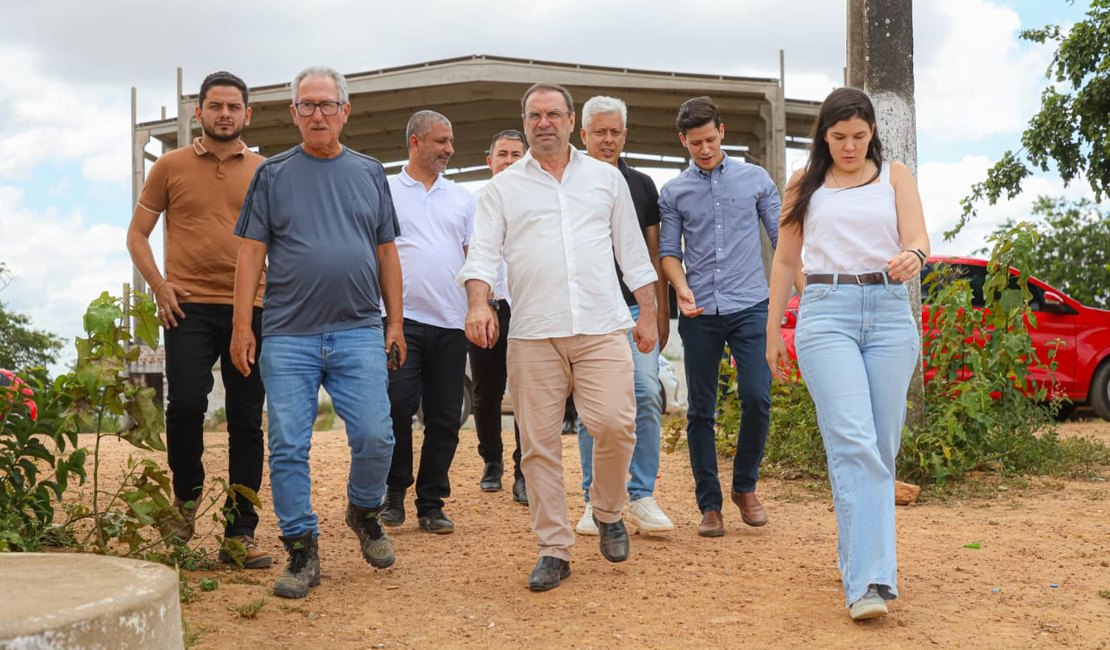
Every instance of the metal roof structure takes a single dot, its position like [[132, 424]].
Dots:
[[481, 96]]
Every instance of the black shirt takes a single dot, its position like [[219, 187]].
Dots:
[[646, 200]]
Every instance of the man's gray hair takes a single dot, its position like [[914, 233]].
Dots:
[[421, 122], [601, 105], [322, 71]]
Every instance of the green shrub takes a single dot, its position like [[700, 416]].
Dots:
[[982, 409], [38, 458]]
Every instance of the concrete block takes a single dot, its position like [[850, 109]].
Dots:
[[56, 601]]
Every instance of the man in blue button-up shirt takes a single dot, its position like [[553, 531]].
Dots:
[[714, 208]]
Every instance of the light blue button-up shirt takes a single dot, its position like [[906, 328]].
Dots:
[[716, 215]]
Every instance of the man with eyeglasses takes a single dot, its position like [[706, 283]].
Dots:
[[709, 245], [604, 132], [487, 365], [436, 218], [322, 216], [558, 218], [200, 187]]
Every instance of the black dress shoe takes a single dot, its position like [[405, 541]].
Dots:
[[491, 477], [393, 514], [614, 540], [548, 573], [434, 521], [520, 493]]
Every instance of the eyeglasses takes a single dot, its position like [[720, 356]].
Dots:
[[552, 116], [307, 109]]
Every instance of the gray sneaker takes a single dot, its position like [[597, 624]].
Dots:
[[303, 571], [377, 549], [871, 605]]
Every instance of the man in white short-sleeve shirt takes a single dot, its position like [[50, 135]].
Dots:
[[559, 218], [436, 218]]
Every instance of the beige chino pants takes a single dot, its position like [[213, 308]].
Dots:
[[598, 370]]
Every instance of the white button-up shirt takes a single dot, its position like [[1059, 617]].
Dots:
[[559, 240], [435, 226], [501, 287]]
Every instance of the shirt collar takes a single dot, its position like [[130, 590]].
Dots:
[[412, 182], [575, 157], [719, 169], [198, 147]]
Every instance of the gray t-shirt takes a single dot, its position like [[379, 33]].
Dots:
[[322, 220]]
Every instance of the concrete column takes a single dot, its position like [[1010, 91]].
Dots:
[[880, 62], [139, 140]]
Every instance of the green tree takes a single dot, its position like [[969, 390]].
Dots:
[[1072, 129], [1073, 252], [22, 346]]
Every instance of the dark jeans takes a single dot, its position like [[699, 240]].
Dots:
[[199, 339], [703, 339], [432, 374], [487, 369]]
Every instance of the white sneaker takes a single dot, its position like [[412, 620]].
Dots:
[[871, 605], [586, 525], [648, 517]]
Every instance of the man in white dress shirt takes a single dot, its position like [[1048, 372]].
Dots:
[[436, 217], [558, 217]]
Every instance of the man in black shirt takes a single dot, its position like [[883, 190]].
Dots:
[[603, 132]]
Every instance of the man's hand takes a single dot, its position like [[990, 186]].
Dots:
[[169, 310], [243, 348], [395, 335], [482, 325], [645, 334], [663, 323], [686, 303]]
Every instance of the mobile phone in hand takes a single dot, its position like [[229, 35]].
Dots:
[[394, 357]]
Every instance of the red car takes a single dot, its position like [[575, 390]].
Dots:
[[1080, 335]]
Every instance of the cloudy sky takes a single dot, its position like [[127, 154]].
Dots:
[[65, 195]]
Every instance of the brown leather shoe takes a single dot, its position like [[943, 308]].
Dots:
[[751, 510], [712, 524]]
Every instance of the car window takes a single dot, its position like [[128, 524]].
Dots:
[[976, 277]]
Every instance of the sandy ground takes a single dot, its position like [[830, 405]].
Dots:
[[1035, 581]]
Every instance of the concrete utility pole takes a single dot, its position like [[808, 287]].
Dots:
[[880, 62]]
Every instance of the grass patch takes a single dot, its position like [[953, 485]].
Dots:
[[251, 608]]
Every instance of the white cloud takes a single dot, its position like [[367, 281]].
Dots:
[[974, 78], [942, 186], [59, 263], [54, 120]]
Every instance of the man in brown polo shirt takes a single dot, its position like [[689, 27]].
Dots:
[[200, 187]]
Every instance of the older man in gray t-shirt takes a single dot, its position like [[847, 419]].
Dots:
[[324, 217]]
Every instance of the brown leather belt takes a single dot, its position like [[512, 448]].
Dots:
[[844, 278]]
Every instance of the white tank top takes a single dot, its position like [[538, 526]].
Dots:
[[851, 230]]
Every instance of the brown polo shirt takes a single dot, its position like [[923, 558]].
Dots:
[[201, 196]]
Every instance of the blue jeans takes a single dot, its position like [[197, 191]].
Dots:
[[704, 338], [649, 409], [350, 364], [857, 347]]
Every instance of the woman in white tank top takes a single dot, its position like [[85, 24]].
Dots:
[[854, 224]]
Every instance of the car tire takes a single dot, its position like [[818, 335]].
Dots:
[[1100, 391]]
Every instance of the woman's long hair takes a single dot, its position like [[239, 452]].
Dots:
[[841, 104]]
